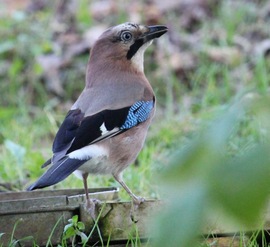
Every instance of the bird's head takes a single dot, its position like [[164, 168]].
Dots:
[[126, 43]]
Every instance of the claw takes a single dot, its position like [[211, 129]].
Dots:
[[137, 201], [90, 206]]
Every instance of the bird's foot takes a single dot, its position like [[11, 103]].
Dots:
[[91, 207], [137, 201]]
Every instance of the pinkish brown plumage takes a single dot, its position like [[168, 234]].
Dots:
[[106, 127]]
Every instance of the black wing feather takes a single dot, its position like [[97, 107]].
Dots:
[[67, 130], [78, 131], [115, 118], [89, 130], [57, 172]]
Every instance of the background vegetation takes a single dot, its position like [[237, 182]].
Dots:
[[210, 73]]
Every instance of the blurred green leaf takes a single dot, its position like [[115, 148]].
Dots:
[[15, 67], [205, 174], [75, 228], [16, 150], [35, 157], [69, 232], [204, 151], [6, 113], [38, 69], [241, 185], [75, 220], [181, 219], [7, 46], [70, 225], [81, 226]]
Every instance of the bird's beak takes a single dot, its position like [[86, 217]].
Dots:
[[153, 32]]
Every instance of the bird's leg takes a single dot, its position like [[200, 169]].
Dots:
[[137, 200], [90, 204]]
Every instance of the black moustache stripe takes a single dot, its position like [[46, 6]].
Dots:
[[134, 48]]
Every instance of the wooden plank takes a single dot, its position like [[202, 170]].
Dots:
[[37, 213], [217, 225], [38, 225], [9, 196], [119, 221], [116, 224], [233, 241]]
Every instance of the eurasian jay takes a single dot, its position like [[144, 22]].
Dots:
[[106, 127]]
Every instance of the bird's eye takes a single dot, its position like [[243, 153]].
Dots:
[[126, 36]]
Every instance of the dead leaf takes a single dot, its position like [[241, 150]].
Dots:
[[51, 64], [262, 49], [225, 55], [182, 61], [9, 6], [102, 9]]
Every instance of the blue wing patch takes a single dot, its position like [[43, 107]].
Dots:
[[138, 113]]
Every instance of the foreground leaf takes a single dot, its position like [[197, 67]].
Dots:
[[181, 218], [241, 185]]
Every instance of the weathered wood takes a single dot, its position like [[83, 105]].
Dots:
[[120, 220], [116, 224], [217, 225], [38, 212], [232, 241]]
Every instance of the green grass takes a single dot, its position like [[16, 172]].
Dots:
[[30, 116]]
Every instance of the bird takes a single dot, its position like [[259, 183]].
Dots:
[[106, 127]]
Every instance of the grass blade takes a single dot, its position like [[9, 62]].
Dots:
[[52, 232]]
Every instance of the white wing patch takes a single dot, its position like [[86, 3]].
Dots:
[[88, 152], [103, 129], [106, 133]]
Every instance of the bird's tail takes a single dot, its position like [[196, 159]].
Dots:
[[57, 172]]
